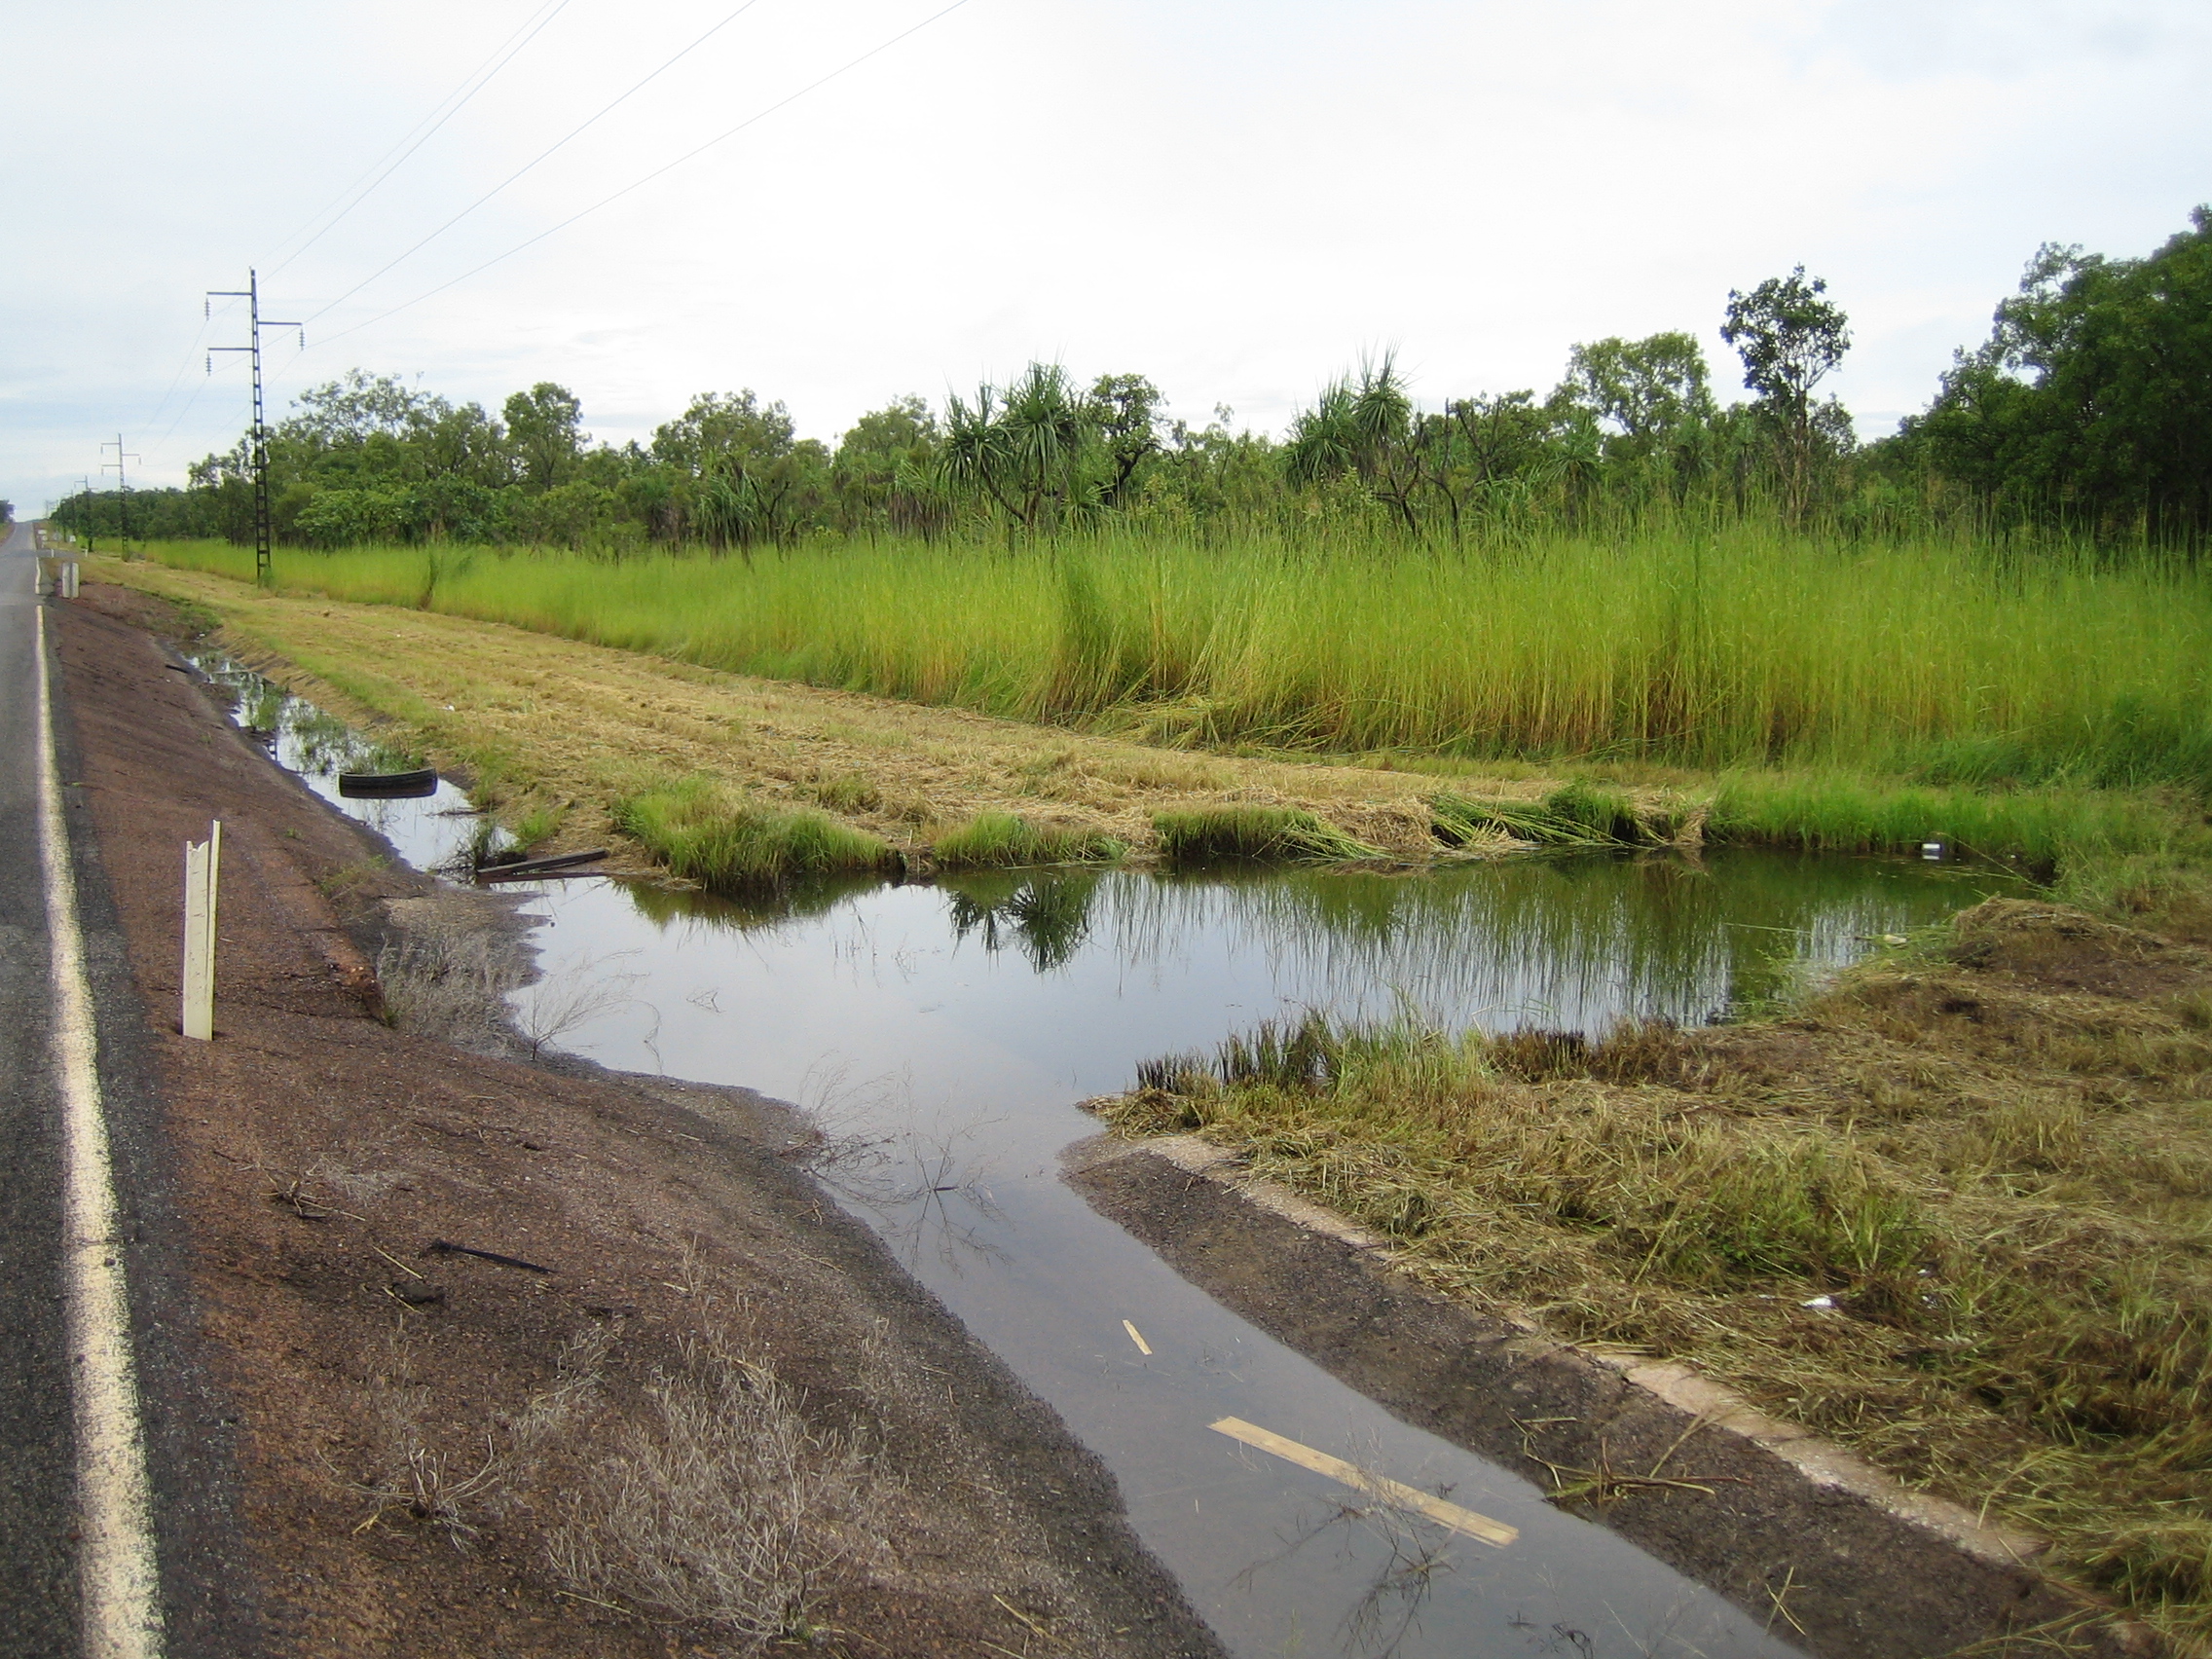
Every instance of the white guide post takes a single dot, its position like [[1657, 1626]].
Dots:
[[69, 579], [203, 862]]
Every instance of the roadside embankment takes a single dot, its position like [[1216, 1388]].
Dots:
[[526, 1361]]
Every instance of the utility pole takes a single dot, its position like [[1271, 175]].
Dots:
[[122, 486], [251, 294], [87, 484]]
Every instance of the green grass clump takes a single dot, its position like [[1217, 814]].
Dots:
[[2044, 828], [1272, 835], [707, 833], [1001, 840]]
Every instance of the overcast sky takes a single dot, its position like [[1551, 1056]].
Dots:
[[1236, 198]]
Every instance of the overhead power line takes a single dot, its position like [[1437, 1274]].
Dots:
[[177, 379], [603, 110], [638, 183], [420, 133]]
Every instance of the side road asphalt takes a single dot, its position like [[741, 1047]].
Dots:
[[205, 1593]]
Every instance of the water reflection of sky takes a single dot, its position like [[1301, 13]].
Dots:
[[1008, 991]]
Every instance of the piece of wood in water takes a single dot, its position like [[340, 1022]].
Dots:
[[1381, 1487]]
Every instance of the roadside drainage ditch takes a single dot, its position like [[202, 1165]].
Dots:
[[940, 1036]]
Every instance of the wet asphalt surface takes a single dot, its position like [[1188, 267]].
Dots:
[[209, 1602]]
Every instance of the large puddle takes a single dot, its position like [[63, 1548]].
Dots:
[[942, 1034]]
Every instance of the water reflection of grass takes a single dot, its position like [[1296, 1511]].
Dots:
[[306, 739], [1551, 939], [1548, 940], [1047, 918]]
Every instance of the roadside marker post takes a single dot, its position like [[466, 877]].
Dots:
[[203, 864], [69, 578]]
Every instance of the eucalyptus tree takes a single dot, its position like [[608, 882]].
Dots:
[[1790, 338], [1654, 402], [1486, 455], [882, 472], [740, 473], [1126, 413], [545, 425], [2092, 400]]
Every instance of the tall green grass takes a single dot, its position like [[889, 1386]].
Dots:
[[1957, 663]]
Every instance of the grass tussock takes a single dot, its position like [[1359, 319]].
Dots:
[[448, 973], [1952, 1212], [1005, 840], [710, 833], [1261, 834], [710, 1498], [720, 1504], [1578, 816]]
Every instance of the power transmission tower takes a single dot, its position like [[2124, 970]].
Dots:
[[122, 486], [87, 484], [251, 294]]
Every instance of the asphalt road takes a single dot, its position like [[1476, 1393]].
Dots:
[[37, 1579], [207, 1586]]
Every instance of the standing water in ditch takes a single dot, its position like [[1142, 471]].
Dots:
[[946, 1031], [942, 1033]]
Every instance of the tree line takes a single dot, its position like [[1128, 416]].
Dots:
[[2091, 407]]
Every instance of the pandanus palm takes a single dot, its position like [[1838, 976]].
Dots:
[[1023, 448]]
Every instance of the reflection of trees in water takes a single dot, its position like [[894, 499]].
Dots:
[[768, 907], [1045, 915], [1576, 943]]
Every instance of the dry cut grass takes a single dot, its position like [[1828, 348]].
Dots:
[[1954, 1213]]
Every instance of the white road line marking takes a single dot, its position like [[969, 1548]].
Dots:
[[1443, 1514], [1137, 1337], [119, 1590]]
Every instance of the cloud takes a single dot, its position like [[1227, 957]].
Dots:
[[1234, 198]]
